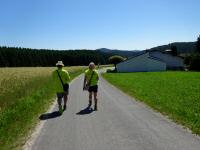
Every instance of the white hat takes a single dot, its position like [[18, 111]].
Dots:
[[59, 63], [91, 65]]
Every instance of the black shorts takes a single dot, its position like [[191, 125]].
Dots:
[[61, 95], [93, 89]]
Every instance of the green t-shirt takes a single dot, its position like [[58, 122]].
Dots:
[[95, 77], [65, 78]]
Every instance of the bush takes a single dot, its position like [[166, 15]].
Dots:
[[111, 71], [193, 62]]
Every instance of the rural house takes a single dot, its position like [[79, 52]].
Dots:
[[151, 61]]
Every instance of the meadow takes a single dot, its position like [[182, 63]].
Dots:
[[176, 94], [25, 93]]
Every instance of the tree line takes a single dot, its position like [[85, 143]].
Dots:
[[24, 57], [193, 60], [182, 47]]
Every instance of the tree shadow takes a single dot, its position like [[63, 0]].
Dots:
[[85, 111], [51, 115]]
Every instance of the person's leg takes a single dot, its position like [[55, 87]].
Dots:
[[95, 101], [90, 99], [95, 90], [59, 100], [65, 100]]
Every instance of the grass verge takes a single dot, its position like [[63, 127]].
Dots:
[[27, 94], [176, 94]]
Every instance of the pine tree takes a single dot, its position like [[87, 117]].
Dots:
[[198, 44]]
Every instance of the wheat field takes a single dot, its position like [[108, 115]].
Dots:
[[18, 82], [24, 94]]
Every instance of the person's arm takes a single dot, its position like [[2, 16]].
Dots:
[[68, 76], [84, 82], [97, 75]]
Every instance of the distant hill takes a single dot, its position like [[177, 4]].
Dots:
[[183, 47], [124, 53]]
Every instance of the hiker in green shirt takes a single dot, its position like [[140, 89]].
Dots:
[[91, 84], [61, 81]]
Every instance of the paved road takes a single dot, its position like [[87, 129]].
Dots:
[[120, 124]]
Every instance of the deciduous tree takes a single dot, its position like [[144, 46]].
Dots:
[[116, 59]]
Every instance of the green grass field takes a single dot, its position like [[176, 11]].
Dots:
[[25, 94], [176, 94]]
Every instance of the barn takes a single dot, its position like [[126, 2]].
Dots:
[[141, 63], [151, 61], [172, 62]]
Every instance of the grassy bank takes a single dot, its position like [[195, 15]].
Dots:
[[176, 94], [25, 94]]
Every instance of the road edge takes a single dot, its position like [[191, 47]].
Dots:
[[161, 114], [38, 128]]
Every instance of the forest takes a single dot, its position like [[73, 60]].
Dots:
[[182, 47], [24, 57]]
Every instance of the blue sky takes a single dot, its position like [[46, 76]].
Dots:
[[91, 24]]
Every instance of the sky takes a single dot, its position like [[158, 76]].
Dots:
[[92, 24]]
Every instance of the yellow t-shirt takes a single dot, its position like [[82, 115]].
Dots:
[[65, 78], [95, 77]]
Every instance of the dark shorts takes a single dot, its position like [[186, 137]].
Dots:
[[93, 89], [61, 95]]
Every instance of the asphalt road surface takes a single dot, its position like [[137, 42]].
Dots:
[[121, 123]]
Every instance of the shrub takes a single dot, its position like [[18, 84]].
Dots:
[[193, 62], [111, 71]]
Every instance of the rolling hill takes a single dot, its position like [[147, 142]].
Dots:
[[124, 53], [183, 47]]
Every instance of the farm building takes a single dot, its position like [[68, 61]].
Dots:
[[172, 62], [150, 61]]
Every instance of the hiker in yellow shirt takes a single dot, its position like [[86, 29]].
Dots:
[[91, 84], [61, 81]]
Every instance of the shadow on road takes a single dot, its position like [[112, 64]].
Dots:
[[50, 115], [87, 110]]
